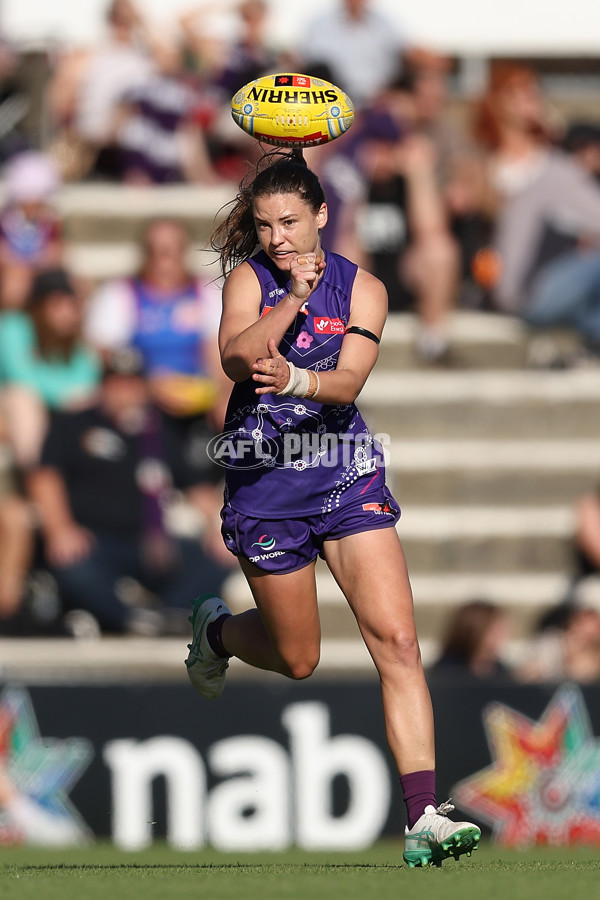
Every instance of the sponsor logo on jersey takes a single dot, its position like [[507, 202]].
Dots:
[[323, 325]]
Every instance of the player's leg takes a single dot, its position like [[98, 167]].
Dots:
[[371, 571], [283, 633]]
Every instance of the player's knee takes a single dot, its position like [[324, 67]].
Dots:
[[301, 667], [405, 649]]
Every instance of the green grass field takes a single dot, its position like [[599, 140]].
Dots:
[[103, 873]]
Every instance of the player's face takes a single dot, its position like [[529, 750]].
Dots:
[[286, 226]]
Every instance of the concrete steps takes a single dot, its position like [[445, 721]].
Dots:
[[451, 405], [501, 472], [477, 340]]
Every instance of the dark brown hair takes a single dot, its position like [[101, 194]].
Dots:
[[50, 346], [468, 627], [234, 238]]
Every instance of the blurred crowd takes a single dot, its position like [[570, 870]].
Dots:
[[110, 392]]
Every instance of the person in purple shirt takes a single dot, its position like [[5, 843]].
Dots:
[[299, 336]]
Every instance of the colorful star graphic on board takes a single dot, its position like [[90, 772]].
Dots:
[[544, 784], [36, 775]]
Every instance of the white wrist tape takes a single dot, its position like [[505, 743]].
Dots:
[[298, 383]]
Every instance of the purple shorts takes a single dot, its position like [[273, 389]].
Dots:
[[284, 545]]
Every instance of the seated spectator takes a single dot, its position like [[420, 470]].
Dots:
[[385, 200], [16, 536], [548, 211], [14, 104], [227, 68], [88, 86], [171, 317], [158, 138], [103, 488], [587, 535], [44, 363], [582, 143], [473, 644], [569, 650], [30, 232], [361, 47], [220, 66]]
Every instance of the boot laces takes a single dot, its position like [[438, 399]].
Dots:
[[445, 808]]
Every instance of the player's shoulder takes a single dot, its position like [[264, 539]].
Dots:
[[241, 278], [366, 281]]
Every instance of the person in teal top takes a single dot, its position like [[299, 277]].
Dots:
[[44, 363]]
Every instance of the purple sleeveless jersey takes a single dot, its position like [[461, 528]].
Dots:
[[286, 456]]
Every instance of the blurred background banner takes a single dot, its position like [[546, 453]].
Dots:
[[277, 765]]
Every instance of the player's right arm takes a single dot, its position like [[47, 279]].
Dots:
[[243, 334]]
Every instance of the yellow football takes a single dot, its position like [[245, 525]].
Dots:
[[291, 110]]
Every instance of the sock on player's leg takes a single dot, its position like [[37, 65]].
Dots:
[[213, 636], [418, 789]]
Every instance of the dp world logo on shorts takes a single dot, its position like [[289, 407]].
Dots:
[[247, 449]]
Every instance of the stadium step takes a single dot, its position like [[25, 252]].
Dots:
[[110, 213], [451, 405], [502, 472], [477, 340]]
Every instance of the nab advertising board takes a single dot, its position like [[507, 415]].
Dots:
[[271, 765]]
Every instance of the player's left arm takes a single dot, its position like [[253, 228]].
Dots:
[[368, 311]]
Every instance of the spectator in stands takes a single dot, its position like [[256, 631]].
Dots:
[[548, 211], [386, 203], [361, 48], [570, 649], [30, 232], [582, 142], [16, 535], [220, 66], [172, 318], [248, 57], [587, 534], [474, 642], [44, 364], [14, 105], [106, 480], [158, 138], [88, 87]]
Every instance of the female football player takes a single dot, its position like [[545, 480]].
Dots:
[[299, 336]]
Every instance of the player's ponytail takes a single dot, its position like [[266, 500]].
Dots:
[[277, 172]]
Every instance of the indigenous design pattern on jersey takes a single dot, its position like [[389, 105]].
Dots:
[[300, 456]]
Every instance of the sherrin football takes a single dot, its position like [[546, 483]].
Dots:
[[292, 110]]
